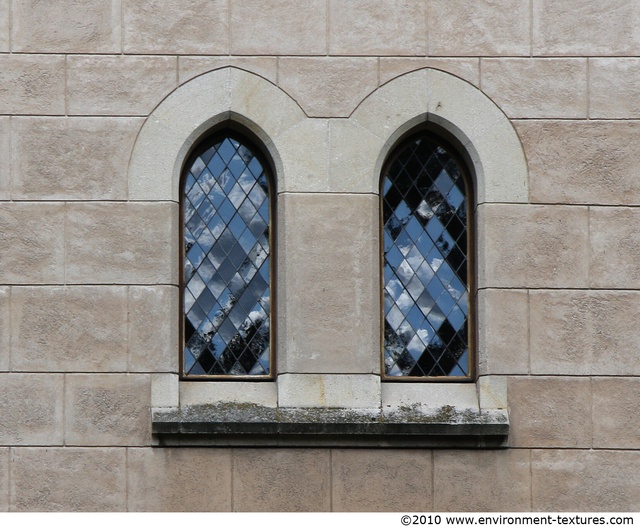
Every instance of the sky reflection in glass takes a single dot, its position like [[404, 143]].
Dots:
[[226, 263], [425, 263]]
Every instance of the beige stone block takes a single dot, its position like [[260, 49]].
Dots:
[[278, 27], [165, 390], [461, 478], [281, 480], [4, 479], [5, 156], [5, 13], [153, 329], [237, 392], [615, 247], [31, 406], [430, 398], [189, 67], [71, 158], [175, 26], [587, 162], [351, 169], [537, 88], [576, 480], [374, 480], [481, 28], [68, 479], [186, 480], [614, 88], [31, 243], [377, 27], [331, 287], [118, 85], [122, 243], [32, 84], [615, 413], [581, 333], [328, 87], [361, 391], [76, 329], [608, 27], [304, 151], [532, 246], [5, 327], [107, 409], [467, 69], [66, 26], [503, 331], [549, 412]]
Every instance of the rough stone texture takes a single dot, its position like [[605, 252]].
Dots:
[[5, 10], [71, 158], [582, 162], [5, 156], [121, 243], [326, 390], [165, 390], [75, 329], [176, 26], [284, 27], [430, 398], [331, 288], [107, 409], [66, 26], [32, 84], [31, 243], [537, 88], [614, 88], [467, 69], [68, 479], [240, 392], [31, 406], [615, 247], [574, 480], [377, 27], [609, 27], [615, 413], [118, 85], [461, 478], [153, 329], [328, 87], [189, 67], [5, 332], [503, 330], [533, 246], [482, 28], [368, 480], [281, 480], [550, 412], [582, 333], [4, 479], [179, 479]]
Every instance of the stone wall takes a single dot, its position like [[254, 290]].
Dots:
[[89, 271]]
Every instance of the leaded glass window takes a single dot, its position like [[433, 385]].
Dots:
[[225, 261], [426, 267]]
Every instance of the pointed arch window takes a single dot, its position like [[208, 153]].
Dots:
[[425, 193], [226, 202]]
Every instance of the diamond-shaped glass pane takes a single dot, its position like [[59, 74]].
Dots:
[[425, 242], [226, 236]]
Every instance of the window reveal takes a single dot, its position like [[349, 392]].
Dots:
[[225, 262], [426, 268]]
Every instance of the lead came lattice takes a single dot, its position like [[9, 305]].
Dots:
[[226, 263], [425, 263]]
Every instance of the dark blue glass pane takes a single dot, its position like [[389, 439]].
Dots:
[[424, 204], [226, 229]]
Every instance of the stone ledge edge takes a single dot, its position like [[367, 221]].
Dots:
[[254, 425]]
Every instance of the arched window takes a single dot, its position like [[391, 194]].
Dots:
[[226, 291], [425, 193]]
